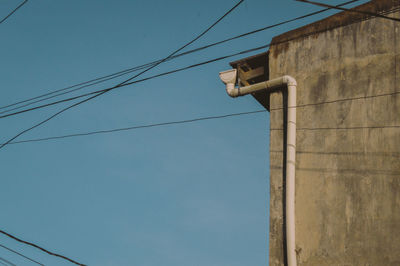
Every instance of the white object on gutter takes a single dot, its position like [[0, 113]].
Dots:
[[229, 78]]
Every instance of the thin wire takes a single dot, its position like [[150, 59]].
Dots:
[[349, 10], [124, 72], [191, 121], [124, 83], [7, 261], [216, 117], [139, 67], [339, 100], [42, 249], [103, 91], [22, 255], [196, 65], [165, 73], [137, 81], [97, 81], [142, 126], [130, 70], [170, 72], [47, 119], [12, 12], [186, 45]]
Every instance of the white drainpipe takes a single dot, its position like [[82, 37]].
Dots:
[[229, 78]]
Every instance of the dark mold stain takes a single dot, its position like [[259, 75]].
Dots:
[[319, 92]]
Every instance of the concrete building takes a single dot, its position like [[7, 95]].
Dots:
[[347, 197]]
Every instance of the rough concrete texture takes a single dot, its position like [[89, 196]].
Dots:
[[347, 180]]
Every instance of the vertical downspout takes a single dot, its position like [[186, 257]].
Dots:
[[290, 175], [291, 85]]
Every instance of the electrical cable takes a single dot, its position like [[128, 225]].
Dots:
[[6, 262], [184, 46], [142, 126], [165, 73], [200, 119], [126, 82], [206, 62], [103, 91], [137, 81], [207, 118], [349, 10], [118, 74], [181, 69], [80, 86], [130, 70], [92, 97], [190, 121], [120, 84], [47, 119], [12, 12], [340, 100], [42, 249], [22, 255]]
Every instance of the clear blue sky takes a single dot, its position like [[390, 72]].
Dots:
[[191, 194]]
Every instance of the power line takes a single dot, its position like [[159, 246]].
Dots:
[[196, 65], [184, 46], [191, 121], [165, 73], [123, 72], [340, 100], [126, 82], [173, 71], [130, 70], [349, 10], [40, 248], [22, 255], [6, 262], [105, 90], [142, 126], [155, 76], [80, 86], [92, 97], [137, 81], [48, 119], [219, 117], [12, 12]]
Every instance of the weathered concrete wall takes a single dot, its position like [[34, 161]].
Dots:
[[347, 180]]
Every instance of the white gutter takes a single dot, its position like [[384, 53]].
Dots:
[[229, 78]]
